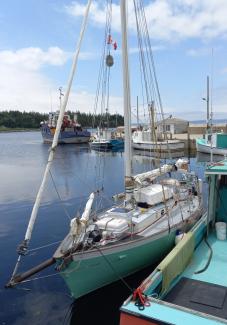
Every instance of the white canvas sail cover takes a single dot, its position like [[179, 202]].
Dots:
[[151, 175], [78, 225]]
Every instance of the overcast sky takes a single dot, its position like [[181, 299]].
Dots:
[[39, 37]]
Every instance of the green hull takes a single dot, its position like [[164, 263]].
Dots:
[[88, 274]]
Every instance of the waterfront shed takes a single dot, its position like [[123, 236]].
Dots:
[[172, 125]]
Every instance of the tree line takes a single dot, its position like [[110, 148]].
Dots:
[[31, 120]]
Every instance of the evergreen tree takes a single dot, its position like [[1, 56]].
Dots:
[[31, 120]]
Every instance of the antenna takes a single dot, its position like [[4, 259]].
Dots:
[[211, 105]]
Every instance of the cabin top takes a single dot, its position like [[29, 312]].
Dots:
[[217, 168]]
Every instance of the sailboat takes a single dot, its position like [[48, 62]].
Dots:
[[189, 286], [101, 248], [215, 142]]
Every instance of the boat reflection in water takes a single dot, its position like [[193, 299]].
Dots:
[[161, 155], [205, 157]]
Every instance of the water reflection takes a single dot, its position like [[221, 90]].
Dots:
[[102, 306], [205, 157], [76, 172], [159, 155]]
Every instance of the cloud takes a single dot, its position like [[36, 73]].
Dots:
[[169, 20], [199, 52], [25, 87], [33, 58], [136, 50]]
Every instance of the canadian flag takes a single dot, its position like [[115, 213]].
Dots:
[[115, 45], [110, 41]]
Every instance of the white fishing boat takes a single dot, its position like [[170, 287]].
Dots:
[[102, 247], [212, 142], [142, 140], [215, 142]]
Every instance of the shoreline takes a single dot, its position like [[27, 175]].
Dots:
[[18, 130]]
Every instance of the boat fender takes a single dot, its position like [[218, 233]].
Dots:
[[104, 234]]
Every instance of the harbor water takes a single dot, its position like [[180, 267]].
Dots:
[[76, 172]]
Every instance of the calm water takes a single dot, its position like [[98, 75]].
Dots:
[[76, 172]]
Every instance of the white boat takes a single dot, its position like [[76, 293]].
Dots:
[[141, 140], [102, 247], [215, 143], [212, 142]]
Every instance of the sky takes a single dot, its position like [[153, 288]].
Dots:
[[38, 39]]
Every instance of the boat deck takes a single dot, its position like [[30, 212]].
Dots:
[[195, 296], [216, 272]]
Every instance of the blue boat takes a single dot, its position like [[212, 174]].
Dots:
[[107, 140], [71, 131], [190, 285]]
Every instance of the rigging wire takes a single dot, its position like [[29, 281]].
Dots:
[[58, 194], [151, 86], [114, 270], [147, 59], [44, 246]]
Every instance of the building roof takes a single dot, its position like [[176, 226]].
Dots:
[[172, 120]]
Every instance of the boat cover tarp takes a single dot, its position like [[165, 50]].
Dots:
[[177, 260]]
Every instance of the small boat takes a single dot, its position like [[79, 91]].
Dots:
[[147, 138], [212, 142], [215, 142], [107, 139], [141, 140], [71, 131], [190, 285]]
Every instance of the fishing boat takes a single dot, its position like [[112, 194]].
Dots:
[[107, 139], [142, 140], [215, 142], [212, 142], [147, 138], [189, 286], [139, 227], [71, 131]]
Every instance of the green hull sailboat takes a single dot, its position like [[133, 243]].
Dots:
[[99, 267], [101, 248]]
